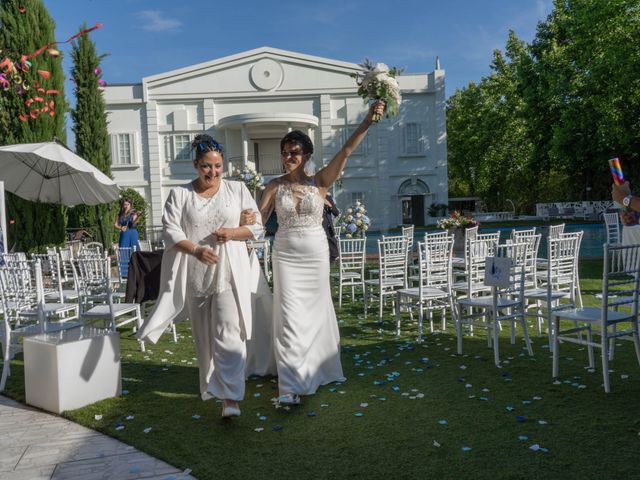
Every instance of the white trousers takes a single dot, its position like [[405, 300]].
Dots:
[[220, 347]]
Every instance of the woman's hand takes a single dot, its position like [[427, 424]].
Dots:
[[223, 235], [123, 229], [618, 192], [206, 255], [377, 108], [247, 217]]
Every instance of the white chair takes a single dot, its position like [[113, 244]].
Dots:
[[350, 265], [612, 227], [392, 271], [434, 286], [506, 303], [263, 253], [123, 255], [620, 305], [476, 251], [24, 311], [91, 248], [145, 245], [554, 232], [52, 278], [517, 235], [560, 281], [338, 230], [66, 267], [470, 233], [97, 296]]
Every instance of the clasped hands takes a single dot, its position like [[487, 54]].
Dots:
[[222, 235]]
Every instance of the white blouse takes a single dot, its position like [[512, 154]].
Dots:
[[202, 217]]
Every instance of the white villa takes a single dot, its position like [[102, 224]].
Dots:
[[249, 101]]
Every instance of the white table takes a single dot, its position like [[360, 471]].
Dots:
[[72, 368]]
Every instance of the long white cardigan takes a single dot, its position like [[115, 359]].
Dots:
[[170, 306]]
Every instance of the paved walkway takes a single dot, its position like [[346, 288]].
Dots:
[[37, 446]]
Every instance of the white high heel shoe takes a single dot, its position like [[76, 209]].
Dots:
[[229, 411]]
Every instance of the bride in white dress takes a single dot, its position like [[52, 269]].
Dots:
[[306, 336]]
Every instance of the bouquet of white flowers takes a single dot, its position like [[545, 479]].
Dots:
[[378, 82], [252, 179], [355, 221]]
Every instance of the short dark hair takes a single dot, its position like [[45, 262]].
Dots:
[[301, 138], [204, 143]]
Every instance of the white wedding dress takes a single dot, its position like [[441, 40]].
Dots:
[[307, 340]]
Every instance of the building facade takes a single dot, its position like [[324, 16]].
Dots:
[[249, 101]]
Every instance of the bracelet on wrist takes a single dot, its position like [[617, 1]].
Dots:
[[195, 249]]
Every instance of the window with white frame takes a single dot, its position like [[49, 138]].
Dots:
[[363, 148], [357, 197], [413, 144], [123, 149], [178, 148]]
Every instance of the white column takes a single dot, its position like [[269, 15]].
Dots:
[[155, 165], [227, 150], [245, 146]]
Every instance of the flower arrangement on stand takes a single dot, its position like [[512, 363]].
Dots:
[[252, 179], [457, 220], [456, 224], [378, 82], [355, 221]]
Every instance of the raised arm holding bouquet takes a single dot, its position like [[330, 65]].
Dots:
[[378, 82]]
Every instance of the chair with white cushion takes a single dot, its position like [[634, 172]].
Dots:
[[620, 285], [434, 285], [506, 303], [97, 296]]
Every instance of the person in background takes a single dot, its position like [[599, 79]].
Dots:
[[126, 222], [329, 213]]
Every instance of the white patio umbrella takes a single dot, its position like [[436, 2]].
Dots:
[[51, 173]]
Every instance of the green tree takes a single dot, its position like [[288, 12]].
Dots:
[[92, 137], [25, 26], [542, 125], [489, 150]]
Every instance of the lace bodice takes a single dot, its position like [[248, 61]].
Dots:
[[298, 206]]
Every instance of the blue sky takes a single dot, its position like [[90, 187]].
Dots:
[[147, 37]]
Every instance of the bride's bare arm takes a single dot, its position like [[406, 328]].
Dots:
[[330, 173]]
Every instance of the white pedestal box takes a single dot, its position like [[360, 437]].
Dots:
[[71, 368]]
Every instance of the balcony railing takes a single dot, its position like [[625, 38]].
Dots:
[[265, 164]]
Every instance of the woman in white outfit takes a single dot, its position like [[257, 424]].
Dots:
[[306, 336], [206, 273]]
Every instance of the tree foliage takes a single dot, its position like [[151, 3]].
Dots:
[[542, 125], [90, 129], [24, 27]]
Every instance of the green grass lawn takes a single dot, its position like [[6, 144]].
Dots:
[[407, 410]]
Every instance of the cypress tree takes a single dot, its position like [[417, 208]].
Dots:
[[25, 26], [90, 127]]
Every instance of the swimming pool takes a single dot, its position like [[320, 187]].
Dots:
[[592, 240]]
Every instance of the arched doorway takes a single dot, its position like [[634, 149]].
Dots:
[[412, 194]]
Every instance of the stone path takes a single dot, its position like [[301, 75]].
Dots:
[[37, 446]]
